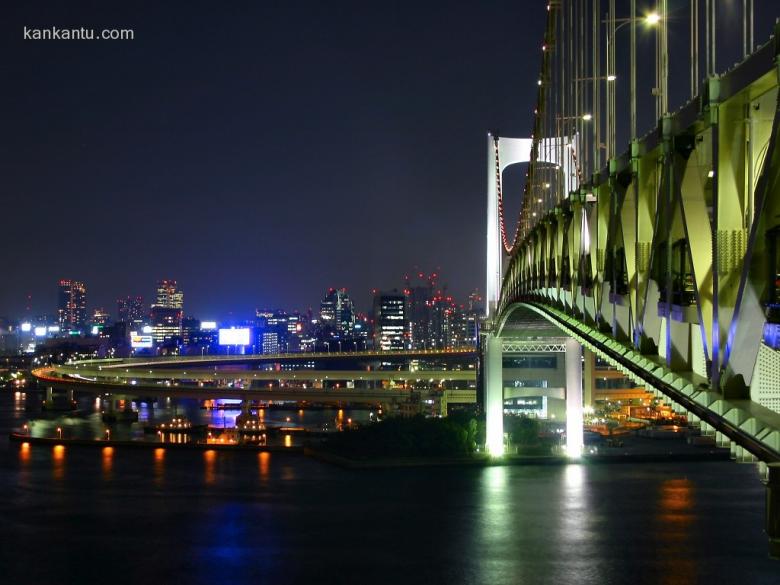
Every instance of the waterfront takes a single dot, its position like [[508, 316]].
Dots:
[[85, 422], [110, 515]]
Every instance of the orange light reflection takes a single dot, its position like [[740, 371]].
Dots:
[[24, 453], [264, 460], [159, 465], [58, 462], [108, 461], [210, 458]]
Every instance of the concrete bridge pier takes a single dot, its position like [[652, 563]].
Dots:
[[574, 410], [494, 396], [48, 398], [589, 365], [60, 401], [114, 411]]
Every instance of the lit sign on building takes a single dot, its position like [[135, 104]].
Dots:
[[40, 332], [141, 341], [26, 327], [234, 336], [208, 325]]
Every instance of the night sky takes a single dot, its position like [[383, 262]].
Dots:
[[258, 152], [262, 152]]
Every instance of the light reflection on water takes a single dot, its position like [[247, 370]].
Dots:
[[497, 519], [264, 462], [158, 469], [209, 469], [58, 462], [108, 461], [674, 519], [286, 516], [574, 518], [24, 453]]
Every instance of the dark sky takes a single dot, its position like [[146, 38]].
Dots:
[[258, 152]]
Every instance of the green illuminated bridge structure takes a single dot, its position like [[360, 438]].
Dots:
[[238, 377], [662, 259]]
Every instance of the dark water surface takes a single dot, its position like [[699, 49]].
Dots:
[[85, 515]]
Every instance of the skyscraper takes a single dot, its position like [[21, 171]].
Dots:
[[390, 321], [131, 310], [419, 292], [442, 315], [71, 305], [168, 295], [167, 312], [338, 313]]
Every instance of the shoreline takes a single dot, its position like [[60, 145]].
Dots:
[[345, 462], [486, 461], [52, 441]]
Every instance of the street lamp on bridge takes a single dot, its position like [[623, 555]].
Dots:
[[614, 24]]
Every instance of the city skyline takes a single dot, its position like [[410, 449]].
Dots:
[[394, 293], [336, 162], [147, 299]]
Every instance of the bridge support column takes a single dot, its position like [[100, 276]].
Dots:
[[589, 364], [494, 396], [574, 421], [773, 509], [48, 399]]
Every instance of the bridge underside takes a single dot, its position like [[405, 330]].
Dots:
[[521, 329]]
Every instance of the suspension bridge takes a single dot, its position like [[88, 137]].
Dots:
[[662, 258]]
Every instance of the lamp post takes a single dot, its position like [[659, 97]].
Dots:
[[615, 24]]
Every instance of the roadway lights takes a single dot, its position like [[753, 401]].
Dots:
[[547, 185], [653, 18], [587, 117], [611, 77], [539, 82]]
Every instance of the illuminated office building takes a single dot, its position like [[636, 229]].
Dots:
[[338, 313], [167, 312], [131, 310], [71, 306], [190, 328], [390, 322], [270, 341]]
